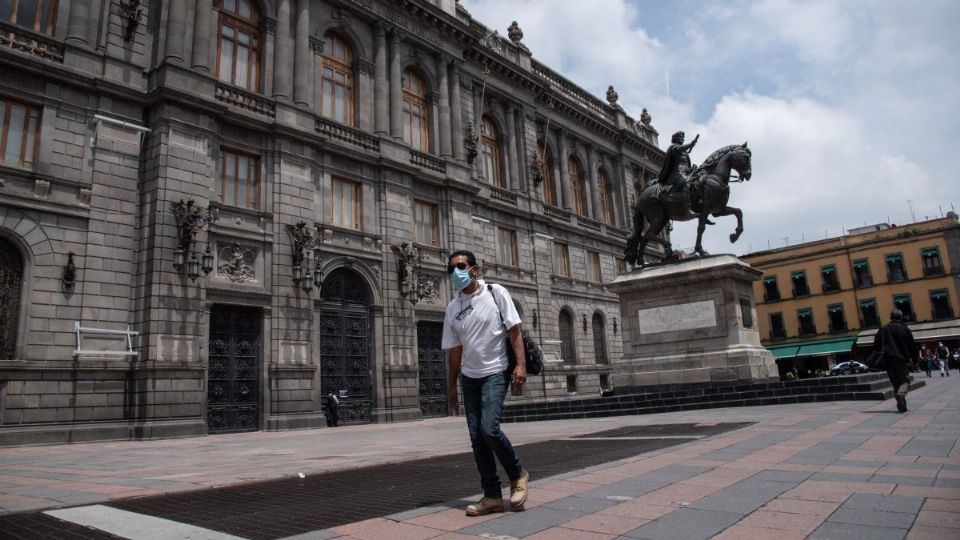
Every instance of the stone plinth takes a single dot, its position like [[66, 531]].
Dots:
[[693, 321]]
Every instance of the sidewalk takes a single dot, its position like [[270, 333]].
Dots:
[[819, 470]]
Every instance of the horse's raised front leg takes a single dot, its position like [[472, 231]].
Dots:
[[728, 210], [701, 226]]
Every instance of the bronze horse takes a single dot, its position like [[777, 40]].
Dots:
[[711, 180]]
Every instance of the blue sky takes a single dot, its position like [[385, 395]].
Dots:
[[852, 108]]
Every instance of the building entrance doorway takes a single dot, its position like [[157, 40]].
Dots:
[[432, 366], [233, 375], [345, 345]]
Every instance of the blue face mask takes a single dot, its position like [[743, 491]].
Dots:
[[460, 278]]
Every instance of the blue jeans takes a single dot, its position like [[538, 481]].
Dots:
[[483, 405]]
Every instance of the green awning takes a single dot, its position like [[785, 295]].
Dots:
[[860, 264], [785, 351], [826, 347]]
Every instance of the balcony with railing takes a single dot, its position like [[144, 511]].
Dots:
[[30, 42], [503, 195], [863, 281], [807, 330], [557, 213], [588, 223], [426, 161], [579, 95], [347, 134], [771, 295], [801, 290], [245, 99], [618, 232]]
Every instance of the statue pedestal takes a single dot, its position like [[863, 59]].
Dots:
[[690, 322]]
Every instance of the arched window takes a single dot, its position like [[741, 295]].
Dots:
[[603, 189], [490, 153], [576, 186], [549, 187], [568, 348], [11, 281], [337, 79], [416, 130], [600, 339], [238, 44], [37, 15]]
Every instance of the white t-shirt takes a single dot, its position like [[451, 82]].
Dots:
[[478, 329]]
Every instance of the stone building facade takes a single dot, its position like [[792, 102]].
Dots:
[[213, 213]]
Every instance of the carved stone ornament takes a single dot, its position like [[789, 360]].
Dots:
[[537, 166], [612, 95], [41, 188], [236, 264], [130, 11], [303, 237], [429, 293], [408, 258], [514, 32], [645, 117], [470, 142]]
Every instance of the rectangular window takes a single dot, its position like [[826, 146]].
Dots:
[[593, 266], [940, 304], [828, 275], [239, 180], [895, 270], [18, 140], [771, 291], [903, 303], [604, 381], [571, 383], [425, 220], [805, 322], [931, 262], [869, 317], [507, 239], [861, 273], [837, 321], [799, 279], [346, 204], [37, 15], [621, 265], [561, 259], [777, 328]]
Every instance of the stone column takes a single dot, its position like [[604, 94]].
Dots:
[[176, 31], [444, 91], [513, 180], [202, 31], [281, 57], [622, 206], [301, 55], [77, 24], [381, 105], [434, 119], [396, 93], [564, 179], [595, 184], [456, 113], [365, 98]]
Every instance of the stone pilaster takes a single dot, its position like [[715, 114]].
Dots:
[[176, 31], [456, 112], [381, 105], [396, 94], [78, 22], [301, 72], [513, 180], [595, 183], [282, 61], [202, 32], [564, 178], [444, 90]]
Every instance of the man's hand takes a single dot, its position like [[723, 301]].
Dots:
[[519, 377], [453, 399]]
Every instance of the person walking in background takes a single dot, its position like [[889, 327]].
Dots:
[[956, 358], [475, 337], [895, 342], [333, 410], [926, 360], [943, 357]]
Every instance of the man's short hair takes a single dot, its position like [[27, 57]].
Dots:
[[471, 259], [896, 315]]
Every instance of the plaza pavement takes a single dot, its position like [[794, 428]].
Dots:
[[818, 470]]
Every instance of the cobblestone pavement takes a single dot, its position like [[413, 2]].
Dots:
[[819, 470]]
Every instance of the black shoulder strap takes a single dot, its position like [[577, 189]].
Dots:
[[490, 288]]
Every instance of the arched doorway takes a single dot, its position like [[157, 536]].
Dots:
[[599, 339], [568, 348], [345, 338], [11, 283]]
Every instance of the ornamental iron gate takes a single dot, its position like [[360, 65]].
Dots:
[[233, 375], [567, 346], [11, 281], [599, 340], [432, 367], [345, 345]]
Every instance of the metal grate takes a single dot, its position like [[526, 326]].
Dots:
[[41, 526]]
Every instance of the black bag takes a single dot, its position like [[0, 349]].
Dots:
[[533, 354], [876, 360]]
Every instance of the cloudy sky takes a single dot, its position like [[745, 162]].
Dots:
[[852, 108]]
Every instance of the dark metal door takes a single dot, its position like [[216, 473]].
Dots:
[[233, 375], [432, 365], [11, 281], [600, 339], [568, 349], [345, 346]]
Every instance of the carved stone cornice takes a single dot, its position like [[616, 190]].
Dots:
[[364, 67], [316, 44]]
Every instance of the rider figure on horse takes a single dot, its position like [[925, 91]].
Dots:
[[674, 176]]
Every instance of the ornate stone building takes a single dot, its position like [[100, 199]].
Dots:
[[213, 213]]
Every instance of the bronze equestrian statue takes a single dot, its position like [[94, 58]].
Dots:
[[682, 194]]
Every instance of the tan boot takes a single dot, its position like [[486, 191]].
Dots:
[[518, 491], [486, 505]]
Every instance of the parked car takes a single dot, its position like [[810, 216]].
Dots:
[[851, 367]]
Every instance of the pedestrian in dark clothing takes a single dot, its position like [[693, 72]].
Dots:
[[926, 360], [943, 358], [895, 342], [333, 410]]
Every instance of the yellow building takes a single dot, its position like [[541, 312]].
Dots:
[[821, 299]]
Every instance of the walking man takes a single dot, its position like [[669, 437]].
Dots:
[[943, 358], [896, 343], [476, 340]]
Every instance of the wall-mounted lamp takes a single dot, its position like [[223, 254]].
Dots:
[[130, 11], [537, 167], [614, 326], [306, 276], [69, 276], [192, 219], [584, 323], [408, 260], [535, 321]]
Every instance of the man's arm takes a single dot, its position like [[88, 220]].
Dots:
[[454, 356], [691, 144], [520, 371]]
